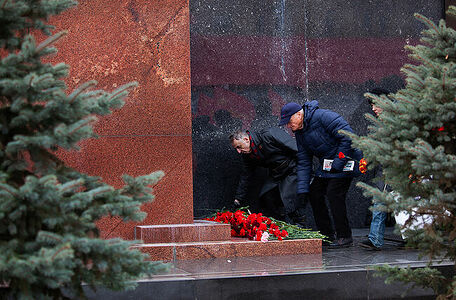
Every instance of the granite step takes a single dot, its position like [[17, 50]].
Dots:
[[234, 247], [198, 231]]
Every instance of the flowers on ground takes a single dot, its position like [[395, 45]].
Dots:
[[250, 225]]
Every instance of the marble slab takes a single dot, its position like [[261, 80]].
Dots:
[[236, 247], [198, 231]]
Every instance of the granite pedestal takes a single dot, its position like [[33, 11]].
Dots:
[[206, 239]]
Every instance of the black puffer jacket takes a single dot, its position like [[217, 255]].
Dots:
[[276, 151]]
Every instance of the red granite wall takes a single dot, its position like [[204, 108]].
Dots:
[[115, 42]]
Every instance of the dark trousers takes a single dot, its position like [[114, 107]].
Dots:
[[271, 204], [335, 190]]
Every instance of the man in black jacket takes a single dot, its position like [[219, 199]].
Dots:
[[274, 150]]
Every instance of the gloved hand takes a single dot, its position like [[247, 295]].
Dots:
[[237, 203], [338, 163], [303, 198]]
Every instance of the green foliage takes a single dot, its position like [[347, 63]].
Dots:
[[296, 232], [48, 238], [414, 140], [419, 277]]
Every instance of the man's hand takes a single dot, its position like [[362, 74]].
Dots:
[[237, 202]]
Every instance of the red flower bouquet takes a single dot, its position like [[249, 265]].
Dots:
[[252, 226]]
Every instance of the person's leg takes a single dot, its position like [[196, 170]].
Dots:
[[271, 206], [377, 227], [319, 208], [336, 193], [294, 209]]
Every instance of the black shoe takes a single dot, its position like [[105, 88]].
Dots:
[[341, 243], [367, 244]]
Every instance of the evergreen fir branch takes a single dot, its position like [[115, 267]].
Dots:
[[71, 185], [406, 100], [82, 88], [451, 10], [49, 238], [413, 79], [48, 211], [51, 40], [8, 189], [428, 22], [61, 249], [413, 140], [420, 277], [420, 58]]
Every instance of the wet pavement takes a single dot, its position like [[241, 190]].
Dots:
[[334, 274], [351, 258]]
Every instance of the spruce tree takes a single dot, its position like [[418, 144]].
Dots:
[[49, 243], [414, 140]]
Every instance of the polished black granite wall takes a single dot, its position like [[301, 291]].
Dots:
[[248, 58]]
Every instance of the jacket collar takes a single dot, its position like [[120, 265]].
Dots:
[[309, 109], [254, 145]]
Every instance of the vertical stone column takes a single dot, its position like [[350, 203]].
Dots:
[[115, 42]]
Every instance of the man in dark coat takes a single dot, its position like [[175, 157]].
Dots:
[[274, 150], [317, 134]]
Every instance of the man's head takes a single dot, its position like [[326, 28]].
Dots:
[[292, 115], [241, 142], [377, 91]]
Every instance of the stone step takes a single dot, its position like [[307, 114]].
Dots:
[[234, 247], [198, 231]]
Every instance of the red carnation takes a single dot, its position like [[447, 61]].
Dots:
[[277, 232], [341, 155], [258, 235], [263, 227], [251, 226], [252, 217]]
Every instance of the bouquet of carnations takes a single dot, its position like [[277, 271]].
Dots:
[[250, 225]]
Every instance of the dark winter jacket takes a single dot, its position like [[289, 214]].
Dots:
[[320, 137], [276, 151]]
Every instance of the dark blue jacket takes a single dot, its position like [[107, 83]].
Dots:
[[320, 137]]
